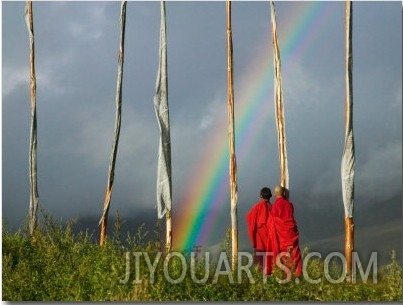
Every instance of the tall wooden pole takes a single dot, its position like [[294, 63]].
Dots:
[[34, 197], [279, 106], [168, 215], [118, 101], [161, 106], [231, 136], [348, 159]]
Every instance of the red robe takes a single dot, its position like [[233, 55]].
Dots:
[[257, 228], [258, 233], [284, 235]]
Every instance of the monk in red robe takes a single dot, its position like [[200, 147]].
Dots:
[[283, 232], [258, 230]]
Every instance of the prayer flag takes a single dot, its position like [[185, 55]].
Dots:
[[34, 197], [279, 107], [348, 158], [118, 102], [164, 177]]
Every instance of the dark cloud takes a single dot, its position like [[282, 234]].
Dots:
[[76, 47]]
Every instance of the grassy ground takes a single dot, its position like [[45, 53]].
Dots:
[[57, 264]]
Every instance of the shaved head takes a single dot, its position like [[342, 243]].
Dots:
[[278, 191]]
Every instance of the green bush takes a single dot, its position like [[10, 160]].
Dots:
[[57, 265]]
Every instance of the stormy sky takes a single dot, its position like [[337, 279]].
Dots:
[[76, 63]]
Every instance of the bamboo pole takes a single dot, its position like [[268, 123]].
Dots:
[[348, 159], [168, 230], [118, 101], [34, 197], [279, 106], [349, 246], [231, 136]]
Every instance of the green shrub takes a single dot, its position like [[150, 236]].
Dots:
[[58, 265]]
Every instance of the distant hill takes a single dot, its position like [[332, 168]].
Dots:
[[381, 238], [378, 227]]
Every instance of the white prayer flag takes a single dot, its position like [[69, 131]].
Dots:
[[34, 197], [279, 107], [348, 159], [118, 116], [164, 178]]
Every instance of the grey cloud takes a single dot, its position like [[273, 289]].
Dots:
[[77, 65]]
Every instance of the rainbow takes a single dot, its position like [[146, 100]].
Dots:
[[201, 205]]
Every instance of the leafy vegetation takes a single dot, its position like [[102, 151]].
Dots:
[[56, 264]]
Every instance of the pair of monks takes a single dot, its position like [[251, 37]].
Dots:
[[273, 232]]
